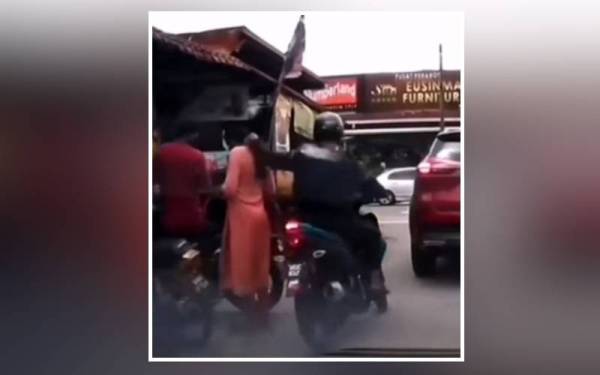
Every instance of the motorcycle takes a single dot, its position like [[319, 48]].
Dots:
[[328, 283], [186, 275]]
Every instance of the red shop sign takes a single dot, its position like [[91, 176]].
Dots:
[[337, 94]]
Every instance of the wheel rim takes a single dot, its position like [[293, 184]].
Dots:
[[391, 197]]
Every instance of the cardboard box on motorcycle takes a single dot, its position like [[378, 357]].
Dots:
[[296, 117]]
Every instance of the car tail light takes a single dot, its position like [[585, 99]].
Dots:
[[294, 235], [424, 167], [438, 166]]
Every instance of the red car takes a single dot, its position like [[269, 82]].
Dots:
[[434, 216]]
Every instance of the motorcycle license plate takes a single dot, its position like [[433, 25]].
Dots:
[[293, 284], [294, 270]]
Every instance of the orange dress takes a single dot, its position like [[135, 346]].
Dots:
[[247, 234]]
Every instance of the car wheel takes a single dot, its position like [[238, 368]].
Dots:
[[422, 262], [389, 199]]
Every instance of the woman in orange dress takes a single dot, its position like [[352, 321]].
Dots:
[[247, 234]]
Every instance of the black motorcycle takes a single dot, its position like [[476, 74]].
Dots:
[[186, 276], [327, 281]]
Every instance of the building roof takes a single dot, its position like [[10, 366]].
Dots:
[[208, 53], [252, 49], [198, 51]]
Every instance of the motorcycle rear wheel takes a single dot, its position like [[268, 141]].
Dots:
[[265, 304], [317, 321]]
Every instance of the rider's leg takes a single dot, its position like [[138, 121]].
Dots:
[[369, 238]]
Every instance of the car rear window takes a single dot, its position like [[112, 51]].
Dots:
[[446, 150]]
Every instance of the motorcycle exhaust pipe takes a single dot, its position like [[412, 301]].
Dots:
[[334, 291]]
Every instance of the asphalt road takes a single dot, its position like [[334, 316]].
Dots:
[[423, 314]]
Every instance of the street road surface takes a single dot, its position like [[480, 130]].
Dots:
[[423, 314]]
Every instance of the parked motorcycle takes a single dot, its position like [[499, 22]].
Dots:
[[327, 282]]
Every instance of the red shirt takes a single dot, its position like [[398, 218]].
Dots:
[[182, 171]]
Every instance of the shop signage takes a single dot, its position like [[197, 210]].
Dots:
[[410, 91], [339, 93]]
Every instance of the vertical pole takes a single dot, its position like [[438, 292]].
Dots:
[[442, 122], [272, 123], [275, 207]]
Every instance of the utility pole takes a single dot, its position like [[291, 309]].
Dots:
[[442, 122]]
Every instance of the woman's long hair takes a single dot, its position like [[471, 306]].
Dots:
[[255, 146], [238, 135]]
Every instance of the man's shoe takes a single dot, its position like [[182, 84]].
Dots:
[[378, 282]]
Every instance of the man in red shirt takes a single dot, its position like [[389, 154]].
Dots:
[[182, 174]]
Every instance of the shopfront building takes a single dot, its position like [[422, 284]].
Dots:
[[392, 118]]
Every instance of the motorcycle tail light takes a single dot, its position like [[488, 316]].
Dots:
[[292, 225], [296, 240], [294, 235]]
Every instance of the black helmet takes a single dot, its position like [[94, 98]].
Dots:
[[329, 127]]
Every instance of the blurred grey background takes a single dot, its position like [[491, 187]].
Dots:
[[74, 169]]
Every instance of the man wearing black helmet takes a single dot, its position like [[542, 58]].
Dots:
[[327, 188]]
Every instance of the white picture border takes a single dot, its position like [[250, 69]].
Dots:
[[151, 358]]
